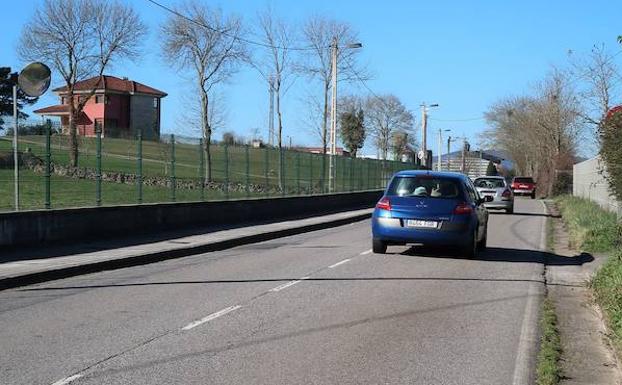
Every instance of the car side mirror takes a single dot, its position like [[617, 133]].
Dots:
[[488, 198]]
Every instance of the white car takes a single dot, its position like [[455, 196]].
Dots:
[[497, 188]]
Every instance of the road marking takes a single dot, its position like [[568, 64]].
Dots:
[[210, 317], [366, 252], [67, 380], [339, 263], [528, 340], [287, 284]]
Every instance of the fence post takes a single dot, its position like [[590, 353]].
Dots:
[[226, 155], [282, 173], [139, 167], [351, 174], [202, 168], [266, 166], [173, 180], [367, 185], [48, 167], [310, 174], [98, 171], [248, 171], [298, 173], [322, 171]]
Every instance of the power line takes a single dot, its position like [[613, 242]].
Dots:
[[248, 41], [458, 120]]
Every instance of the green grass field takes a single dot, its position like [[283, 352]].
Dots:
[[303, 173]]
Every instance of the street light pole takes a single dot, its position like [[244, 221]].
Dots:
[[333, 112], [440, 150], [424, 126]]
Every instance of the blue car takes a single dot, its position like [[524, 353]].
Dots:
[[430, 208]]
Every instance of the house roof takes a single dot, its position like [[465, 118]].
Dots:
[[59, 109], [114, 84]]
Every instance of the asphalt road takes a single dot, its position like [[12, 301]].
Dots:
[[317, 308]]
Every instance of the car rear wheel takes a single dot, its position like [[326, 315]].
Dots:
[[379, 246], [482, 244], [510, 210], [471, 249], [533, 195]]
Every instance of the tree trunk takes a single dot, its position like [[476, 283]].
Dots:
[[207, 133], [73, 135], [280, 121]]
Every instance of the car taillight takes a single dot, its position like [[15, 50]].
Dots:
[[463, 208], [514, 185], [506, 194], [384, 204]]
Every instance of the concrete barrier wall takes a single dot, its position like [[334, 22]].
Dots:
[[589, 181], [43, 226]]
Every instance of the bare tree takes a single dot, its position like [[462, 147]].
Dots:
[[80, 39], [402, 144], [385, 116], [541, 132], [600, 88], [276, 65], [191, 116], [210, 45], [318, 33]]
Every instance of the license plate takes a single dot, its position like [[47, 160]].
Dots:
[[421, 224], [523, 186]]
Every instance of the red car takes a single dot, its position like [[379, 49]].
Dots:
[[524, 185]]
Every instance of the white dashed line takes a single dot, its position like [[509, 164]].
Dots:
[[67, 380], [210, 317], [287, 284], [366, 252], [339, 263]]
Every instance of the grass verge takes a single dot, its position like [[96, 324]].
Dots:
[[607, 288], [596, 230], [548, 371], [590, 227]]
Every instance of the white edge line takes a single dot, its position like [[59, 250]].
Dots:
[[67, 380], [527, 344], [287, 284], [210, 317], [366, 252], [339, 263]]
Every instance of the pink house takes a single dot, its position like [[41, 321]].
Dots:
[[119, 108]]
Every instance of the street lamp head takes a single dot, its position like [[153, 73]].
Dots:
[[354, 45], [433, 105]]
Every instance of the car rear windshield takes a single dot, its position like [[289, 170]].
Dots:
[[489, 183], [430, 187], [523, 180]]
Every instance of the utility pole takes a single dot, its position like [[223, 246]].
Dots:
[[15, 154], [271, 113], [333, 117], [464, 147], [448, 152], [440, 151]]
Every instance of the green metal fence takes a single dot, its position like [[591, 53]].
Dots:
[[119, 171]]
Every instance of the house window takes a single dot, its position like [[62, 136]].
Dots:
[[63, 100], [101, 99], [155, 102]]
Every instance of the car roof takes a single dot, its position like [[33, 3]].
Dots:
[[490, 177], [441, 174]]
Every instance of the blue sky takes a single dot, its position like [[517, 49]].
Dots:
[[464, 55]]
